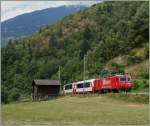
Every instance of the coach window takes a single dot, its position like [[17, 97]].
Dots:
[[79, 85], [67, 87], [87, 84], [70, 86]]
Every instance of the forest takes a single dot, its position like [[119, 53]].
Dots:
[[113, 35]]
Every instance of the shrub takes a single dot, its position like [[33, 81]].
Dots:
[[4, 95], [144, 73], [14, 94], [140, 83], [146, 84], [116, 67], [130, 60], [146, 51]]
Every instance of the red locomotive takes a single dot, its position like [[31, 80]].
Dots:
[[114, 83]]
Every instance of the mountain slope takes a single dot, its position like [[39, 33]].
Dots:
[[101, 31], [28, 23]]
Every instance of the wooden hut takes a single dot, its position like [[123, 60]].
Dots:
[[45, 88]]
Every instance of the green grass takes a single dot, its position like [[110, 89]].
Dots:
[[134, 97], [76, 110]]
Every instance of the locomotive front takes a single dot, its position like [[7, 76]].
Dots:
[[125, 82]]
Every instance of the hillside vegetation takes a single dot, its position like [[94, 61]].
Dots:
[[113, 34]]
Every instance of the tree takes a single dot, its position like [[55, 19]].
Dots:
[[84, 48]]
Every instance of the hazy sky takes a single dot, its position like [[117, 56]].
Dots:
[[10, 9]]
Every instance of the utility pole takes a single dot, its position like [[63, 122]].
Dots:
[[59, 75], [59, 78], [84, 72], [84, 68]]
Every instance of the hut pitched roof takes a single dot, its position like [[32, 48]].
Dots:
[[45, 82]]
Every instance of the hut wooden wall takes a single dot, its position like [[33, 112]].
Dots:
[[41, 91]]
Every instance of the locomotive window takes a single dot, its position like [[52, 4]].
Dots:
[[122, 79], [87, 84], [79, 85], [128, 79]]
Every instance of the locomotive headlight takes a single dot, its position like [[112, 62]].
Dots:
[[130, 84]]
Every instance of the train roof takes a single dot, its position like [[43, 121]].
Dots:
[[115, 76], [90, 80], [120, 75], [78, 82]]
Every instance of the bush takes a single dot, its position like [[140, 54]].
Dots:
[[144, 73], [116, 67], [14, 95], [130, 60], [147, 51], [139, 84], [146, 85], [4, 95]]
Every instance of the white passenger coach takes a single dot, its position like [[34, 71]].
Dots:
[[80, 86]]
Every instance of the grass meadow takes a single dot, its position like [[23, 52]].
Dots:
[[67, 110]]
